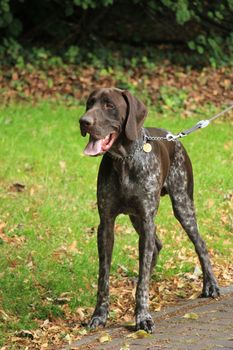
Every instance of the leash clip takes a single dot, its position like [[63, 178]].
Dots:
[[171, 137], [202, 124]]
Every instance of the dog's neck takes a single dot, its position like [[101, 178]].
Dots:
[[124, 149]]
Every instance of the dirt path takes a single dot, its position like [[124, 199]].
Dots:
[[211, 328]]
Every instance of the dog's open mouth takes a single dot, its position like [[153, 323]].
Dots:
[[96, 147]]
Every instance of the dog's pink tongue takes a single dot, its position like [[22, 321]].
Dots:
[[94, 147]]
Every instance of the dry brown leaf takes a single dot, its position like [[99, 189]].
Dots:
[[25, 334], [16, 187], [80, 312], [105, 338], [194, 296], [4, 316]]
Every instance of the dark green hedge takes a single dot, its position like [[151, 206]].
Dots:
[[204, 27]]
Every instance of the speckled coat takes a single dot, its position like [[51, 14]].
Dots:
[[131, 181]]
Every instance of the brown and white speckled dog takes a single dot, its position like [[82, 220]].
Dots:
[[131, 181]]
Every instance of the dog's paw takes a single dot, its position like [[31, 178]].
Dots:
[[210, 290], [97, 321], [145, 322]]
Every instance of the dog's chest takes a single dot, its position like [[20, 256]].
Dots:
[[138, 175]]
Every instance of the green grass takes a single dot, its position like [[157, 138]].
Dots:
[[52, 223]]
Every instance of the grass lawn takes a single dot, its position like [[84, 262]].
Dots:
[[48, 214]]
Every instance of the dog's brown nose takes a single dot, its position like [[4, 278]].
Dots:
[[86, 121]]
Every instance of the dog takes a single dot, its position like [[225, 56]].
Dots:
[[139, 166]]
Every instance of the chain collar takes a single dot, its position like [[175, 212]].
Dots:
[[156, 138], [169, 136], [146, 138]]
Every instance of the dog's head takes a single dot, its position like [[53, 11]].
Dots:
[[109, 113]]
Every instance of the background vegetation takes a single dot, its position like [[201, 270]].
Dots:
[[81, 31]]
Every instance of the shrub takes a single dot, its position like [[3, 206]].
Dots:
[[73, 28]]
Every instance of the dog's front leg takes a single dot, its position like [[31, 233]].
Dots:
[[105, 246], [146, 250]]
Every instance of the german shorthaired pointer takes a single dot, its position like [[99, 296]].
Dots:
[[133, 174]]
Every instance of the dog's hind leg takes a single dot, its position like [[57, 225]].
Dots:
[[184, 212], [179, 187]]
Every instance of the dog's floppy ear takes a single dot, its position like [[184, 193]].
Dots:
[[136, 113]]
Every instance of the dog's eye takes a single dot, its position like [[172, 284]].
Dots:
[[90, 103], [108, 105]]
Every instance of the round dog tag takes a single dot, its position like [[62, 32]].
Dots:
[[147, 147]]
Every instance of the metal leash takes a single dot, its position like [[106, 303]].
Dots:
[[200, 125]]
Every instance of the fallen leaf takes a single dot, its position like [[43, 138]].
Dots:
[[2, 226], [228, 145], [104, 338], [129, 324], [45, 324], [73, 248], [191, 316], [68, 338], [62, 164], [82, 331], [24, 334], [125, 346], [80, 312], [4, 316], [158, 308], [194, 296], [62, 300], [139, 334], [16, 187], [181, 294]]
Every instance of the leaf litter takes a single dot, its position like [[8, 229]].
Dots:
[[66, 330], [209, 85]]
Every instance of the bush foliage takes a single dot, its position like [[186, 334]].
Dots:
[[75, 28]]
